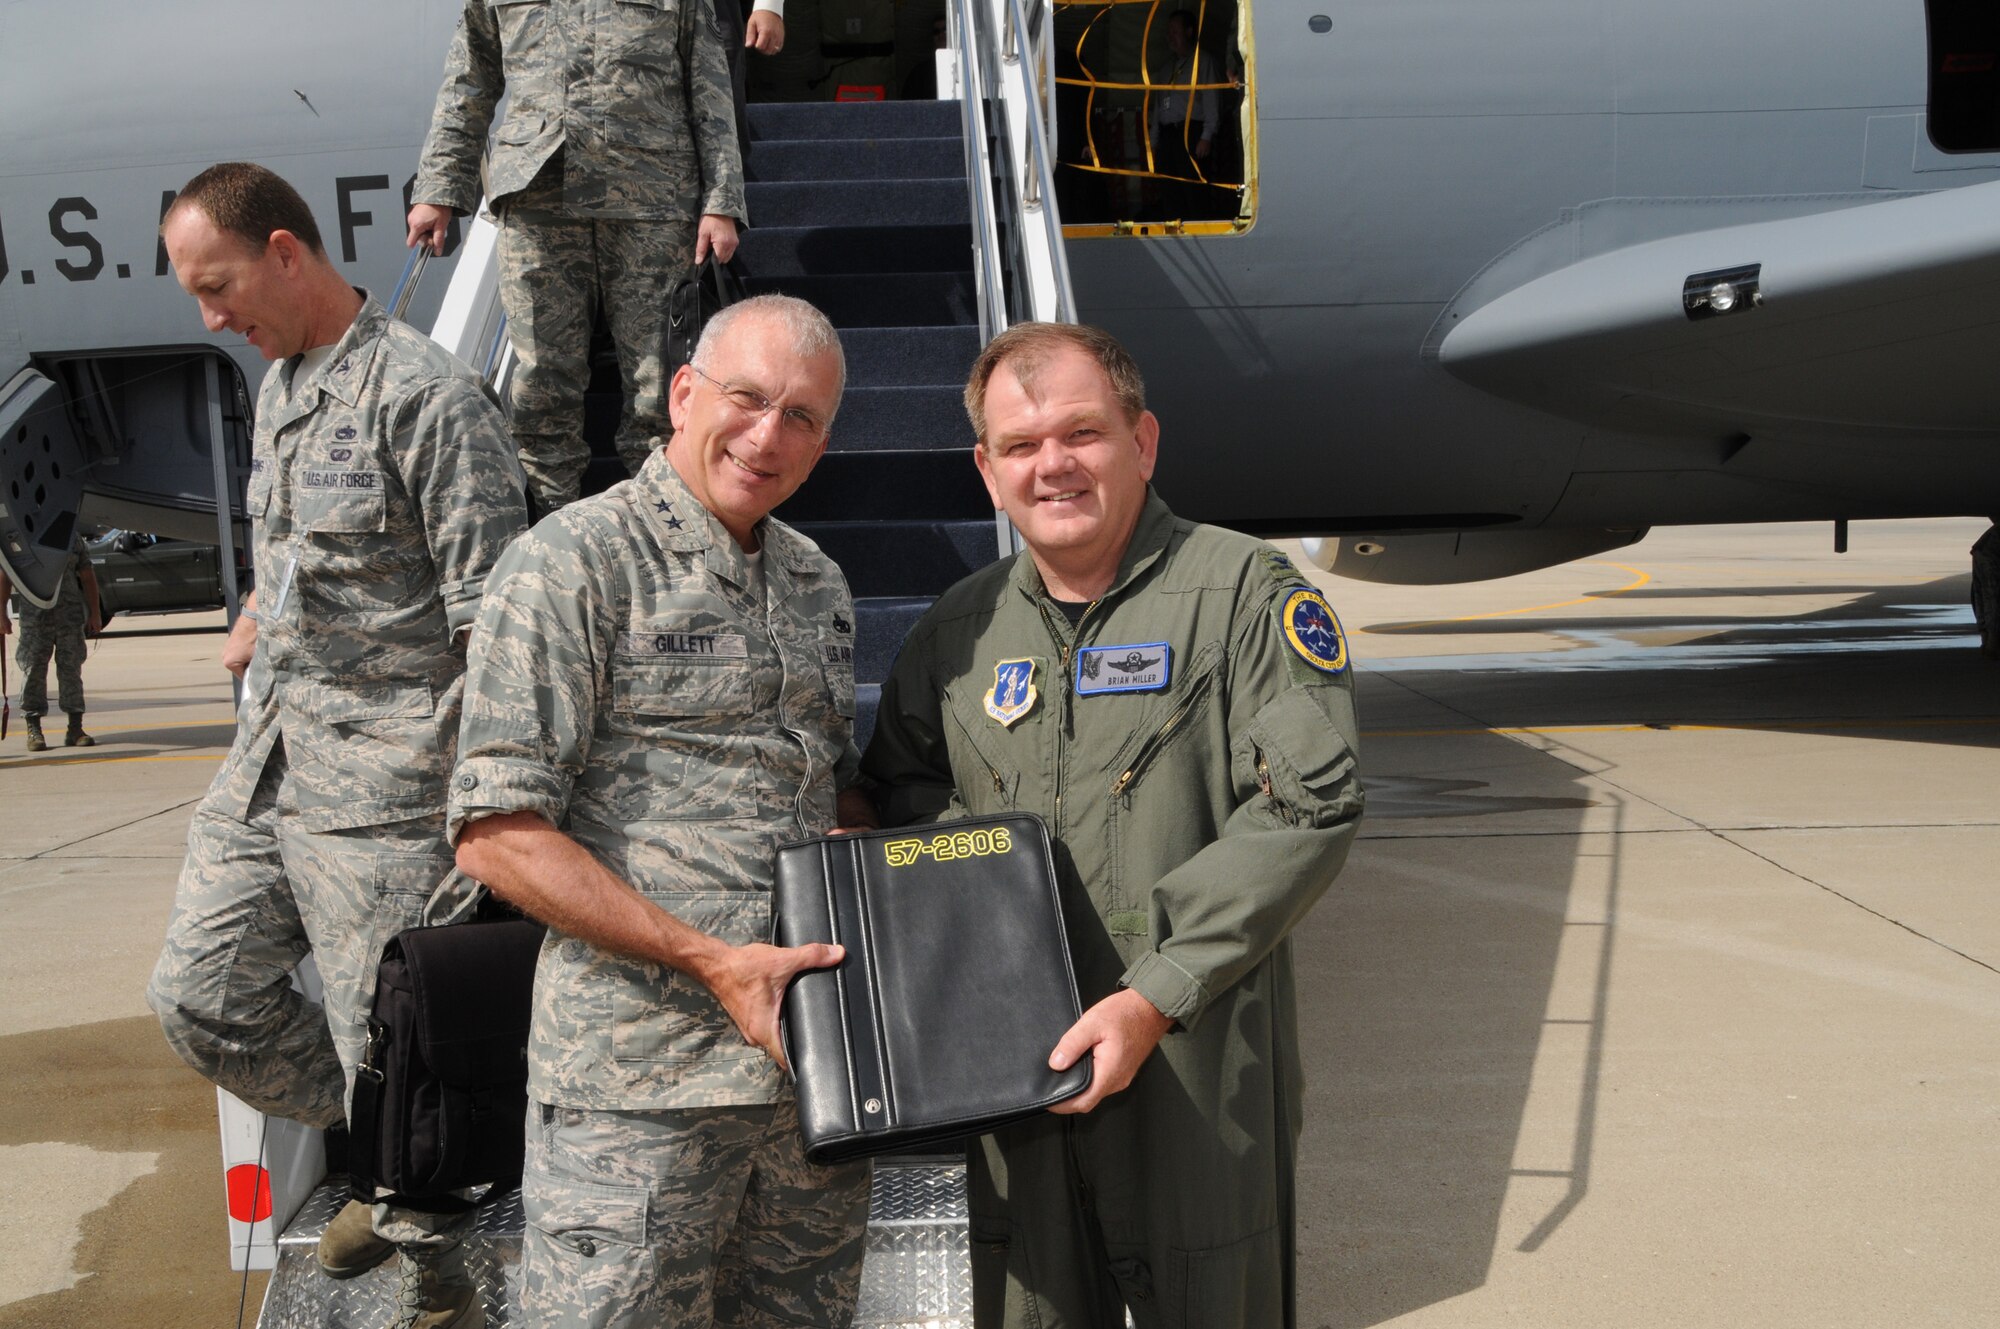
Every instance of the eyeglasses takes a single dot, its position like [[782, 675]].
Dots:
[[797, 423]]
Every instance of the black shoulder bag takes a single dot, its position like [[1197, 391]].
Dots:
[[441, 1095]]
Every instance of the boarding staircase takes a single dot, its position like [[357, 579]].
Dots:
[[921, 229]]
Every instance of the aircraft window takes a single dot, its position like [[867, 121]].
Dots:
[[1155, 117], [1964, 75]]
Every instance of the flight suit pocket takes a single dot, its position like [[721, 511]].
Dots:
[[592, 1264], [659, 1014], [984, 781], [1303, 763], [1238, 1283]]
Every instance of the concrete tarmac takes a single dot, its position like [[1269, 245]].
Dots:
[[1662, 988]]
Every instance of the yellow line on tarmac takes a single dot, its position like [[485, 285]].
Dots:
[[229, 720], [63, 759], [1640, 578], [1795, 726]]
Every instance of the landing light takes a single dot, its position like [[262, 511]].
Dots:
[[1727, 291]]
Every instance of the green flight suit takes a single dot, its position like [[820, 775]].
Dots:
[[1199, 806]]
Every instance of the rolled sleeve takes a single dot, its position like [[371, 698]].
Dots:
[[484, 787], [530, 683]]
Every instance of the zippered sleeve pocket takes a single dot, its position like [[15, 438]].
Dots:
[[1302, 762]]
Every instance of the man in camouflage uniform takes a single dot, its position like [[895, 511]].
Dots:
[[382, 490], [1174, 701], [615, 170], [661, 692], [60, 630]]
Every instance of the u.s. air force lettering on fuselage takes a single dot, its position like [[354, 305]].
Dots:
[[80, 255]]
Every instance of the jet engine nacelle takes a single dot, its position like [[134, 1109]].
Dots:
[[1434, 558]]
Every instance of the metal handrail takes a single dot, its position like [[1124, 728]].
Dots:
[[972, 92], [1038, 184], [406, 285]]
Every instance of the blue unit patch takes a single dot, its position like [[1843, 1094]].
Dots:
[[1014, 691], [1147, 667], [1312, 630]]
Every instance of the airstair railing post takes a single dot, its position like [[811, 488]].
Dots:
[[225, 524]]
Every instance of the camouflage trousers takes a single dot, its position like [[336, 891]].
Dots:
[[555, 272], [255, 895], [56, 631], [687, 1218]]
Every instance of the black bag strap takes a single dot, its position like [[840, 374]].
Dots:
[[364, 1117]]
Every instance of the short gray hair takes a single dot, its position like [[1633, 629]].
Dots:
[[812, 334]]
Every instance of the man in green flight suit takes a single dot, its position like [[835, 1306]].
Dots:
[[1174, 700]]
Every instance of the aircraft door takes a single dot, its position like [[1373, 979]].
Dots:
[[42, 464]]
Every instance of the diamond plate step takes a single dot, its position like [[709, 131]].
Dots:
[[916, 1271]]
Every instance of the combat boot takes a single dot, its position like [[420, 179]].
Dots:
[[36, 743], [436, 1292], [76, 738], [349, 1247]]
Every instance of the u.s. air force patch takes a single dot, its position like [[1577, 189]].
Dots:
[[1312, 630], [1014, 691]]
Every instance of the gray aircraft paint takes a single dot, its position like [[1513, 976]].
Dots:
[[1422, 165]]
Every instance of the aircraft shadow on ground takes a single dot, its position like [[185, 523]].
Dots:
[[1451, 973], [1430, 1006], [1904, 661]]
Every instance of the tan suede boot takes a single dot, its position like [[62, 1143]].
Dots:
[[437, 1293], [349, 1247]]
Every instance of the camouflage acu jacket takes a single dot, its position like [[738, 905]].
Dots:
[[382, 489], [626, 685], [602, 82]]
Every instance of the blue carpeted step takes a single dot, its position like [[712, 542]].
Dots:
[[858, 203], [793, 251], [881, 623], [867, 701], [856, 159], [901, 419], [871, 486], [884, 300], [804, 120], [892, 356], [905, 558]]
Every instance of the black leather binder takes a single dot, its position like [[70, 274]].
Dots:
[[956, 985]]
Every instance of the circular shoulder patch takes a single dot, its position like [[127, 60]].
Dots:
[[1313, 631]]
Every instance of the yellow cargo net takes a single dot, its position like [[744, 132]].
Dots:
[[1180, 187]]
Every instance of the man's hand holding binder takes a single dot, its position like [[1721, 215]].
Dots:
[[1119, 1033]]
